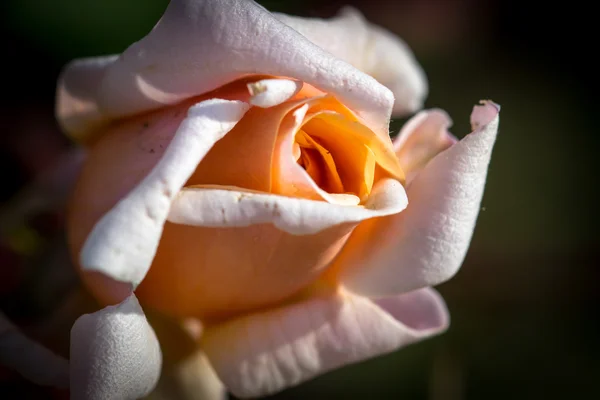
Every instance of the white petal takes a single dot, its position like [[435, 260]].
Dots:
[[426, 244], [114, 354], [371, 49], [199, 45], [29, 358], [265, 352], [272, 92], [123, 243], [228, 207]]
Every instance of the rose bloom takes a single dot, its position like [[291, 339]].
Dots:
[[240, 174]]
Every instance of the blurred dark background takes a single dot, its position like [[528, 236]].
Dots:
[[524, 305]]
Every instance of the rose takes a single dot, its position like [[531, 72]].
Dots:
[[288, 234]]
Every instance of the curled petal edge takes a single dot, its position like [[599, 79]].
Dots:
[[171, 64], [123, 243], [213, 206]]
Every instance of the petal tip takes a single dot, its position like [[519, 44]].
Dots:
[[114, 353], [484, 114]]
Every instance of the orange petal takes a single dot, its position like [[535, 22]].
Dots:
[[382, 149], [332, 181], [208, 272], [355, 160], [341, 133], [243, 157]]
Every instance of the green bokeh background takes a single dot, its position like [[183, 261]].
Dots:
[[524, 305]]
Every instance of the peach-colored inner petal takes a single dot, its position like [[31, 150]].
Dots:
[[243, 157], [318, 162], [355, 160], [324, 152], [311, 147], [212, 273]]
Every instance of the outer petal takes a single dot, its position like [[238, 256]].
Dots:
[[30, 359], [371, 49], [114, 354], [421, 139], [77, 106], [426, 244], [266, 352], [200, 45], [123, 243], [228, 207]]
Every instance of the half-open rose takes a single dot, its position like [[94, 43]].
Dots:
[[243, 175]]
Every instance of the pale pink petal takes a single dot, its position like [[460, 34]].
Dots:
[[199, 45], [371, 49], [421, 139], [234, 207], [114, 354], [425, 244], [124, 241], [30, 359], [265, 352]]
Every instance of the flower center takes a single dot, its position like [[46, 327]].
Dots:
[[318, 162], [339, 163]]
